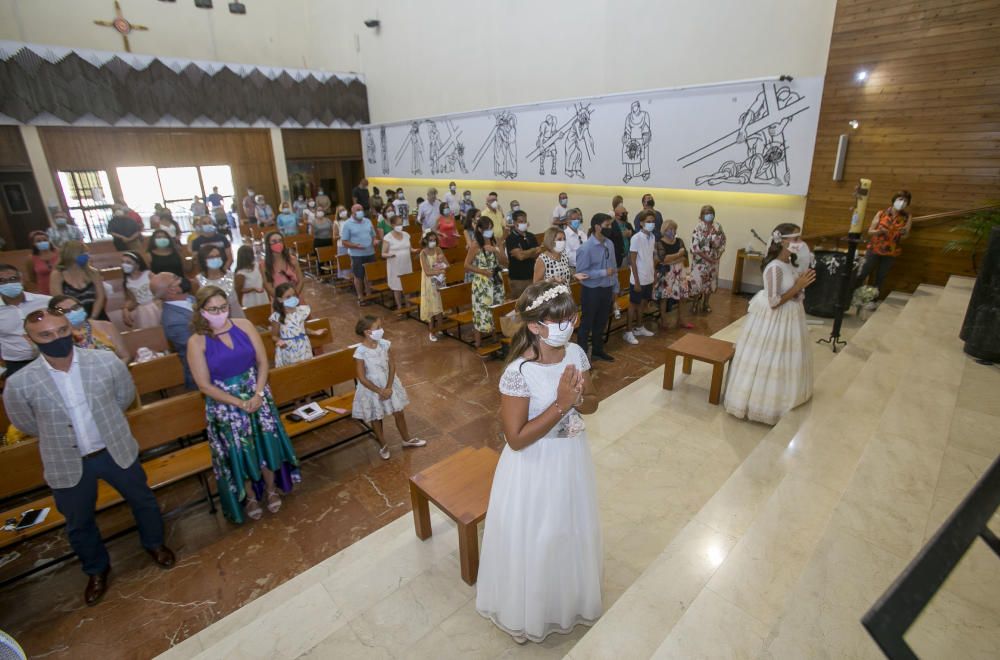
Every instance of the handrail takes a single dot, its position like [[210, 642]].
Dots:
[[893, 614], [922, 220]]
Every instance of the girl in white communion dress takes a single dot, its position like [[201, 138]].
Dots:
[[772, 371], [542, 560]]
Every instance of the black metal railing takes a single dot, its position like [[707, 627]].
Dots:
[[893, 614]]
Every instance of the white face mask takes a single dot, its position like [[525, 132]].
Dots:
[[650, 226], [432, 244], [560, 246], [451, 188], [377, 333], [398, 228], [494, 205], [342, 215], [797, 247], [515, 208], [127, 268], [557, 337], [522, 226], [487, 233], [899, 204]]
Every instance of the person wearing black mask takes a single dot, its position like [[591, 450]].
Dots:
[[647, 205], [83, 436], [595, 262], [620, 234]]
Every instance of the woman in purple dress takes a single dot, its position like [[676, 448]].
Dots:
[[248, 442]]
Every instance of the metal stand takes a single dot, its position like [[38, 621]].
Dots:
[[843, 295]]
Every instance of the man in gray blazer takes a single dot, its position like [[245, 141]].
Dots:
[[72, 400], [176, 318]]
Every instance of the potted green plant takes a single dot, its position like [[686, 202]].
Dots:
[[977, 227]]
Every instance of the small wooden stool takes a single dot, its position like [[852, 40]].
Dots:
[[459, 486], [704, 349]]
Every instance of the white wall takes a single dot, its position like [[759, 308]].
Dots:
[[435, 57]]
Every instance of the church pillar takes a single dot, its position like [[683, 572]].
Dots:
[[280, 166], [44, 176]]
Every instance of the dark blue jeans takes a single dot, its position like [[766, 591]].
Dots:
[[77, 505], [595, 304]]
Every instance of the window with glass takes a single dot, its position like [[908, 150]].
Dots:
[[146, 187], [88, 201]]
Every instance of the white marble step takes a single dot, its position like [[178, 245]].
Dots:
[[636, 624]]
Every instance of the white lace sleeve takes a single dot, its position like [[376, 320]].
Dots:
[[579, 357], [773, 284], [512, 382]]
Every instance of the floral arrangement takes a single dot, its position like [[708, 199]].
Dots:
[[864, 295]]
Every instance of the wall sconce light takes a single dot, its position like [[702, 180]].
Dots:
[[854, 123], [861, 76]]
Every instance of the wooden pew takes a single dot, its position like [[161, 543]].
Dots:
[[160, 374], [152, 338], [259, 315], [497, 346], [318, 375], [411, 291], [326, 262], [453, 301], [377, 276], [154, 426], [623, 304]]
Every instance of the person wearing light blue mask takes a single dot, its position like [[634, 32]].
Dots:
[[288, 327], [15, 349], [74, 276], [575, 235], [708, 242], [209, 237], [90, 333], [288, 221]]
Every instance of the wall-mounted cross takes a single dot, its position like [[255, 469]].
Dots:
[[122, 25]]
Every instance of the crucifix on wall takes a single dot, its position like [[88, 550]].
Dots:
[[123, 26]]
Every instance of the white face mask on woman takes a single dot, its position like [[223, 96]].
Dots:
[[899, 204], [558, 337], [560, 246]]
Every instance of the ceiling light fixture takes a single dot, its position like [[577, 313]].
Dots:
[[861, 76]]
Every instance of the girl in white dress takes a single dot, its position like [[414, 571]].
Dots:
[[141, 309], [249, 281], [772, 371], [396, 251], [542, 559], [379, 391], [288, 327]]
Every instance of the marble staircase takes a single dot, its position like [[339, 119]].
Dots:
[[785, 558]]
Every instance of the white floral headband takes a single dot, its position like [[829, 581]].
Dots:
[[777, 236], [551, 294]]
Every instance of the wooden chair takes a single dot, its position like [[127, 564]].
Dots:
[[305, 252], [326, 262], [376, 274], [411, 291], [344, 264], [151, 338], [455, 274], [157, 375], [453, 300]]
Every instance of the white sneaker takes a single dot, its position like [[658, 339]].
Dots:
[[432, 337], [618, 313], [642, 331], [630, 338], [414, 442], [384, 453]]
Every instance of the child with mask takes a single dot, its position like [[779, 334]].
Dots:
[[379, 391], [288, 327]]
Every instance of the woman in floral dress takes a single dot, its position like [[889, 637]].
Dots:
[[245, 435], [708, 242], [671, 285], [484, 260]]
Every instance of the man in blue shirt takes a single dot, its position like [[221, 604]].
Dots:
[[358, 236], [596, 260], [215, 199]]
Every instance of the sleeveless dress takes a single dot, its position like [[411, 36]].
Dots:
[[254, 279], [242, 443], [772, 370], [367, 404], [166, 263], [225, 282], [671, 280], [541, 565], [400, 264], [430, 297], [710, 241], [486, 291], [147, 313], [556, 270], [86, 296], [293, 331]]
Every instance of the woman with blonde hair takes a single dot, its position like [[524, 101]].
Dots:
[[552, 263], [708, 242], [74, 276], [247, 440]]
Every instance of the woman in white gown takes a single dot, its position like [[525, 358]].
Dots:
[[772, 371], [542, 559]]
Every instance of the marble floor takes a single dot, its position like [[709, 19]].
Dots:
[[348, 494], [723, 539]]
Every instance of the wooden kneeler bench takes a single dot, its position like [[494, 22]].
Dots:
[[459, 486]]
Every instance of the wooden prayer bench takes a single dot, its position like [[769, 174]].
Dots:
[[715, 352], [156, 426], [320, 374], [326, 262], [160, 374], [459, 486]]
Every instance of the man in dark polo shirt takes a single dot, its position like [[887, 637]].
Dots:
[[522, 250]]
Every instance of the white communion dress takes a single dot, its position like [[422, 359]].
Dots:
[[772, 371], [542, 559]]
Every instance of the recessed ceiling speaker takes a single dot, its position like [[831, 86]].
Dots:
[[838, 166], [237, 8]]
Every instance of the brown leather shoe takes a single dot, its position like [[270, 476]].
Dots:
[[163, 556], [96, 586]]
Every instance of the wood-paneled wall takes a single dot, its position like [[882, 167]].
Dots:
[[247, 151], [308, 143], [13, 155], [929, 116]]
